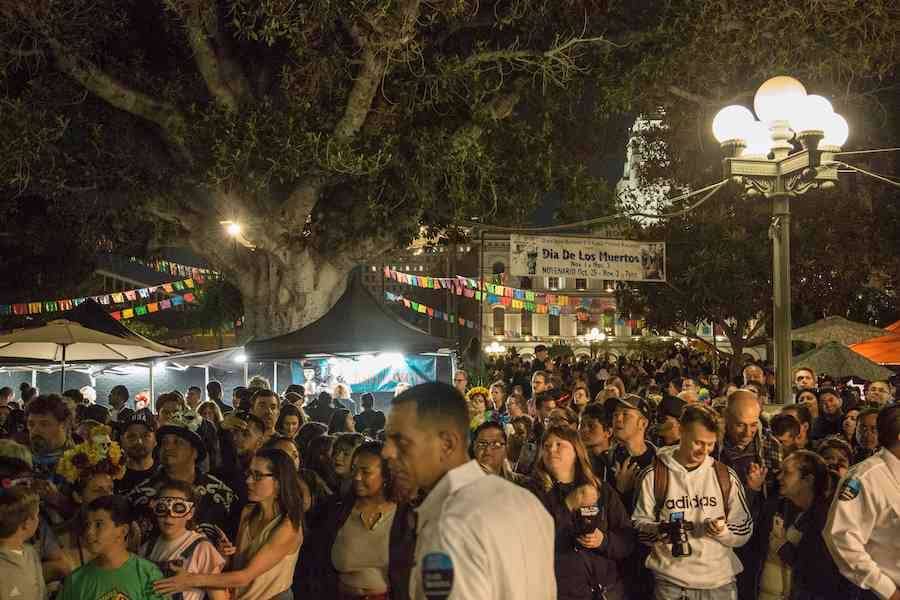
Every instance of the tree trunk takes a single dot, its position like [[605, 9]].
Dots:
[[291, 290]]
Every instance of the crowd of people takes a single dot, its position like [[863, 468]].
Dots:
[[564, 478]]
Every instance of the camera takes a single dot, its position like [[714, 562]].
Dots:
[[676, 530], [587, 519]]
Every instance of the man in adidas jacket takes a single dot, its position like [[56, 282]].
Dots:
[[708, 498]]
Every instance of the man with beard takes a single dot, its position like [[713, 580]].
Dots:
[[138, 442], [47, 419], [266, 406], [181, 451], [756, 458]]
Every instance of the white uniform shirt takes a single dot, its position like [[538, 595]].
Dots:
[[482, 538], [863, 530]]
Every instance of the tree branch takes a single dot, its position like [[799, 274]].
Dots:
[[374, 62], [223, 76], [124, 97], [705, 100]]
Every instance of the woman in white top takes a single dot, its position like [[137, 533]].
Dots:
[[178, 546], [268, 540], [356, 531]]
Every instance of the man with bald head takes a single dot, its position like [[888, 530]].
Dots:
[[756, 458]]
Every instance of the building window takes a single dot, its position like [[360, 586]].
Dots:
[[581, 284], [526, 283], [526, 323], [499, 321], [555, 283], [582, 327], [553, 325]]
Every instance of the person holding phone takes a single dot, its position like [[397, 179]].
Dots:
[[593, 531]]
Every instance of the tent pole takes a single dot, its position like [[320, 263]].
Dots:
[[246, 374], [33, 378], [206, 379], [275, 376], [62, 372], [152, 391]]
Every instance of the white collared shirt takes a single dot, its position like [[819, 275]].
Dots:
[[863, 529], [481, 537]]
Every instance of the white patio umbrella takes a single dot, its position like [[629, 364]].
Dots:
[[63, 341]]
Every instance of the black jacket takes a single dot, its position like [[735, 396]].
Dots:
[[825, 425], [320, 576], [402, 550], [580, 570]]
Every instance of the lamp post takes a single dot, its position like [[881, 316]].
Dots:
[[801, 133], [593, 339]]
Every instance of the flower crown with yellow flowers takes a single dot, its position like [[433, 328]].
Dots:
[[478, 391], [98, 454]]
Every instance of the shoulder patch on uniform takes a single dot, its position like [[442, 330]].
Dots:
[[437, 576], [850, 489]]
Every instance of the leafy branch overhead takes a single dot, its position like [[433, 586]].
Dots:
[[337, 129]]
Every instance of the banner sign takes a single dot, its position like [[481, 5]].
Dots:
[[367, 373], [590, 258]]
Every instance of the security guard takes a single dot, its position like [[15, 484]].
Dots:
[[864, 521], [478, 537]]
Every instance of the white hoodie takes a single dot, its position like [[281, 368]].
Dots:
[[698, 496]]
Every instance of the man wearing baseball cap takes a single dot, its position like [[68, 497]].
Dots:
[[138, 441], [632, 452], [181, 450]]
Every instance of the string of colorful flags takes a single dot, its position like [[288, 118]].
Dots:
[[432, 313], [152, 307], [174, 268], [113, 298], [519, 299]]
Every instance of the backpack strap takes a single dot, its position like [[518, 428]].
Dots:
[[724, 479], [660, 485], [189, 551]]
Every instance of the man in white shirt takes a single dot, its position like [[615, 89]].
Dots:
[[685, 486], [864, 521], [478, 537]]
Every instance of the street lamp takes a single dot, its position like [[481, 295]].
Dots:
[[801, 133], [495, 348], [593, 339]]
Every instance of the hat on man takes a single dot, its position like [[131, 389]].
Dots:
[[636, 403], [185, 424], [142, 417], [671, 406], [241, 420], [540, 348], [12, 450]]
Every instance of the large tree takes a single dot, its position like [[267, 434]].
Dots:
[[335, 130]]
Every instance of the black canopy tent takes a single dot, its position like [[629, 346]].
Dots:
[[356, 324]]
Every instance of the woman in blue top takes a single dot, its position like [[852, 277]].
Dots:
[[114, 572]]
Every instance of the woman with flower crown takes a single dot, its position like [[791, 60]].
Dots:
[[90, 468]]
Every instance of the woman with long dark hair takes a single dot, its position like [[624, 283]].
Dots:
[[268, 540], [592, 525], [290, 420]]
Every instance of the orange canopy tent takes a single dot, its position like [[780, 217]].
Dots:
[[884, 350], [893, 327]]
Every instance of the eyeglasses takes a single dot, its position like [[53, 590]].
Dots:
[[170, 505], [489, 445], [258, 476]]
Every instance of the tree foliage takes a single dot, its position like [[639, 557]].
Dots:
[[335, 130]]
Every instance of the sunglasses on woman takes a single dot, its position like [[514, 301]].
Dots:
[[170, 505]]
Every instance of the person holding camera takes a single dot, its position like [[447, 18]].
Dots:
[[591, 525], [692, 511]]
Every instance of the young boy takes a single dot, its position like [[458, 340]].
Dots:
[[20, 566]]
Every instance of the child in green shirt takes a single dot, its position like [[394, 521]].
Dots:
[[114, 573]]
